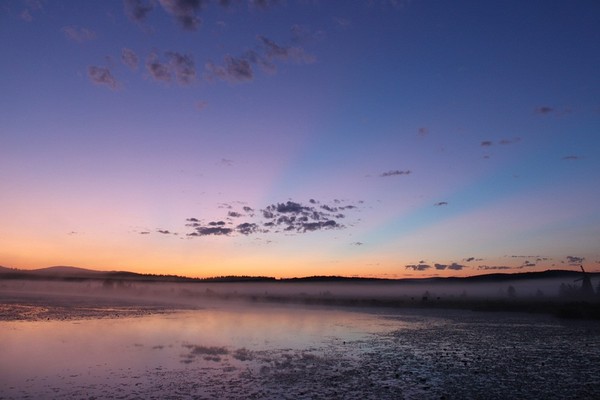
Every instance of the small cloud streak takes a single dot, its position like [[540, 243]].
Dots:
[[394, 173]]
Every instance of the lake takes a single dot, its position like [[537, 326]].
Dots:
[[263, 351]]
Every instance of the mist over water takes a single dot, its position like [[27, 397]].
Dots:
[[289, 340]]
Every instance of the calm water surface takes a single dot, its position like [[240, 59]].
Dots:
[[284, 352]]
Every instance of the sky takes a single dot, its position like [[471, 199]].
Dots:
[[295, 138]]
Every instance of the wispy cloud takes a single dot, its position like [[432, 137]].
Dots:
[[129, 58], [184, 11], [78, 34], [102, 76], [138, 10], [440, 203], [234, 70], [572, 157]]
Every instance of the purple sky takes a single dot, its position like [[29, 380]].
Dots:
[[292, 138]]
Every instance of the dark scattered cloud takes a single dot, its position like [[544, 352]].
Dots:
[[492, 267], [138, 10], [423, 131], [504, 142], [357, 243], [274, 51], [469, 259], [180, 66], [418, 267], [158, 70], [183, 67], [102, 76], [547, 110], [453, 266], [78, 34], [201, 105], [441, 203], [572, 158], [129, 58], [394, 173], [184, 11], [527, 264], [234, 70], [144, 233], [163, 231], [287, 217], [575, 260]]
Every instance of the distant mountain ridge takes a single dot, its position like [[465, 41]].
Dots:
[[76, 273]]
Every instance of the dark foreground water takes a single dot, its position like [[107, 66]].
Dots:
[[273, 352]]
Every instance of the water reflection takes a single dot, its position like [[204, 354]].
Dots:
[[92, 350]]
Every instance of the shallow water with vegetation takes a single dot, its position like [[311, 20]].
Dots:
[[277, 352]]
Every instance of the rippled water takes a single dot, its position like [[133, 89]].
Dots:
[[285, 352]]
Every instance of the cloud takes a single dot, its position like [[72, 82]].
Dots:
[[158, 70], [287, 217], [138, 10], [575, 260], [129, 58], [486, 143], [247, 228], [572, 157], [492, 267], [102, 76], [163, 231], [394, 173], [262, 4], [183, 67], [469, 259], [78, 34], [184, 12], [235, 70], [180, 66], [423, 131], [441, 203], [201, 105], [544, 110], [509, 141], [274, 51], [418, 267], [453, 266]]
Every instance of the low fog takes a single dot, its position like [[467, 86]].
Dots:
[[342, 293]]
